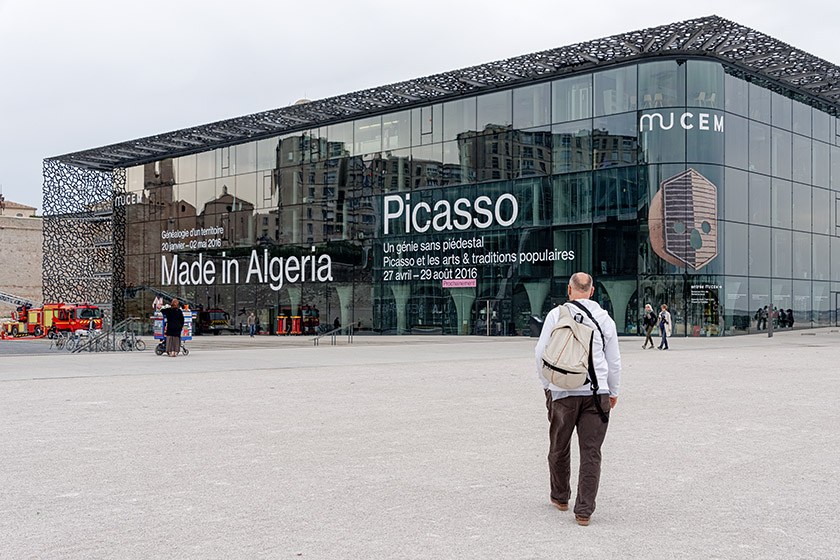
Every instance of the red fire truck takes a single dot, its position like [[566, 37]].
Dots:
[[52, 318]]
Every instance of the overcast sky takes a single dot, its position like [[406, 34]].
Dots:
[[87, 73]]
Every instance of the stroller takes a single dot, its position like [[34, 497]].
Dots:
[[160, 349]]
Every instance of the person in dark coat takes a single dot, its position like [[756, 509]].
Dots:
[[649, 322], [174, 326]]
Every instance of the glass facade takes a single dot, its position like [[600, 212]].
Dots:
[[673, 181]]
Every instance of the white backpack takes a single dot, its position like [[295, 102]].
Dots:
[[567, 358], [567, 355]]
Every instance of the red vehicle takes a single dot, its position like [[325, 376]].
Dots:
[[306, 320], [214, 321], [72, 316], [52, 318], [25, 322]]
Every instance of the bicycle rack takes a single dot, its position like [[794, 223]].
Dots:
[[107, 341]]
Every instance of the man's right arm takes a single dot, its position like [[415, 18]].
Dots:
[[548, 326]]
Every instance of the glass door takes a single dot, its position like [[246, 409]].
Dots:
[[492, 317]]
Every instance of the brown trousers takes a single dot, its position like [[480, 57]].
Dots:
[[648, 331], [564, 415], [173, 344]]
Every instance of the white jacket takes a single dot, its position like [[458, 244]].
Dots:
[[607, 364], [667, 322]]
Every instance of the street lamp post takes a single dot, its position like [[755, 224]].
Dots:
[[770, 321]]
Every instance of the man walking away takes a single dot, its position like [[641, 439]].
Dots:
[[174, 326], [252, 324], [577, 409], [648, 322]]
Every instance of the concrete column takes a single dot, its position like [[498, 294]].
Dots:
[[401, 295], [537, 292], [620, 292], [345, 299], [463, 299], [294, 299]]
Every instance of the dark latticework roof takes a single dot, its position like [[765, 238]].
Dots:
[[714, 37]]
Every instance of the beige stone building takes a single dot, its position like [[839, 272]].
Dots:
[[21, 253]]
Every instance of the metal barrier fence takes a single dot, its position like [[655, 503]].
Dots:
[[334, 333]]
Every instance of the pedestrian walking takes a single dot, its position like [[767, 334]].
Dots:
[[174, 325], [252, 324], [648, 322], [664, 326], [577, 409]]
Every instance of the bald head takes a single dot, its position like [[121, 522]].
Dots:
[[580, 286]]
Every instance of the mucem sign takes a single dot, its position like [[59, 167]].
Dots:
[[704, 177], [687, 121]]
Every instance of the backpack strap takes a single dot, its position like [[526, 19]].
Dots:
[[591, 318], [592, 375]]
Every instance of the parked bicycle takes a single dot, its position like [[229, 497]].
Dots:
[[130, 341], [59, 339], [74, 340]]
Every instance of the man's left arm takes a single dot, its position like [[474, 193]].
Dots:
[[613, 357]]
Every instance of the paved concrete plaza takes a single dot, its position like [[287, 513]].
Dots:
[[409, 447]]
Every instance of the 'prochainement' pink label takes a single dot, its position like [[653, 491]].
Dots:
[[459, 283]]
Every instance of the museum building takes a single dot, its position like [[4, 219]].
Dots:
[[695, 164]]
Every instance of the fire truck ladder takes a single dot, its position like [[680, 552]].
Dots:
[[16, 300], [166, 296]]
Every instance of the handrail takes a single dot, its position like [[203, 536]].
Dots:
[[104, 334], [333, 334]]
